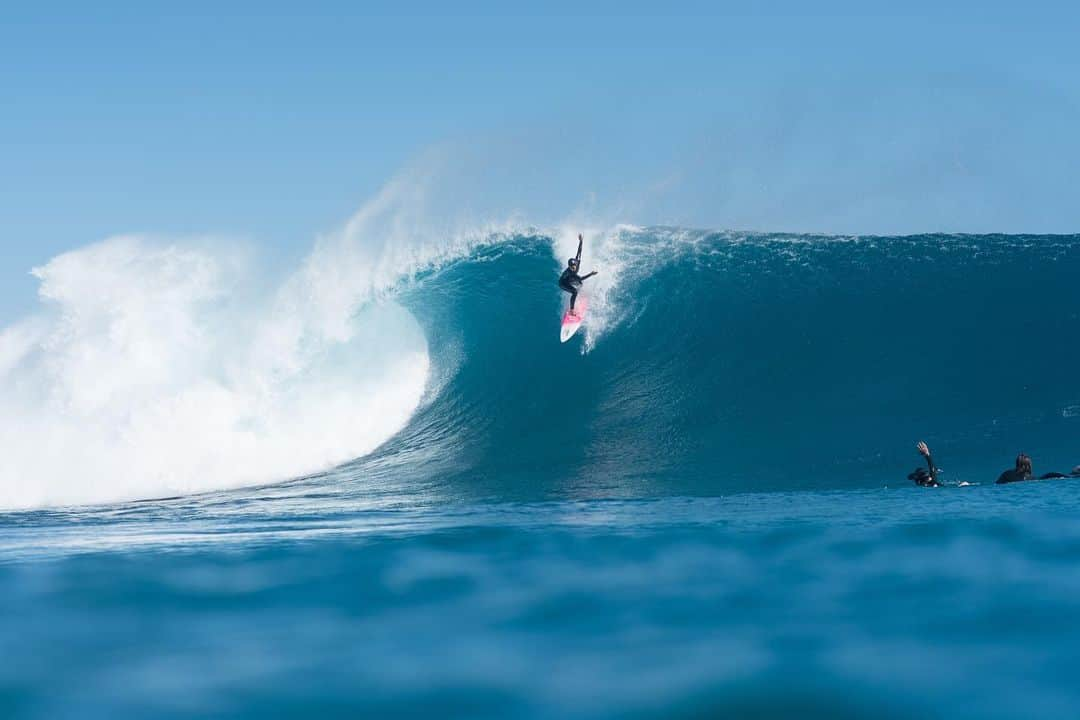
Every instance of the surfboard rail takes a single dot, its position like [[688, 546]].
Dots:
[[571, 320]]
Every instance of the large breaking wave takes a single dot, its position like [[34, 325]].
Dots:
[[726, 362], [711, 363]]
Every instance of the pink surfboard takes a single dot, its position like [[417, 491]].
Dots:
[[571, 321]]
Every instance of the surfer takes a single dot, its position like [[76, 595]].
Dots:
[[1023, 471], [921, 477], [570, 281]]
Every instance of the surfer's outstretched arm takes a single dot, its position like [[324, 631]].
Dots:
[[586, 277], [925, 452], [580, 241]]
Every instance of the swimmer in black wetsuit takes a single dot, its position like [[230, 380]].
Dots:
[[570, 281], [1021, 472], [921, 477]]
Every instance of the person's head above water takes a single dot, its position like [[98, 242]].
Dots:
[[1023, 464]]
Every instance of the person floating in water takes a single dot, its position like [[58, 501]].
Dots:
[[1023, 471], [570, 281], [921, 477]]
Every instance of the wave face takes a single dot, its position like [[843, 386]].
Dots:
[[710, 363], [717, 363]]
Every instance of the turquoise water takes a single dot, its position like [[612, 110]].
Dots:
[[855, 603], [698, 508]]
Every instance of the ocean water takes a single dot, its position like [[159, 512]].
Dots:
[[384, 489]]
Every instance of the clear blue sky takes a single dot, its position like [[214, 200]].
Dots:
[[274, 121]]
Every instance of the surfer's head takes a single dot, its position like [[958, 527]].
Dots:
[[572, 263], [1023, 464]]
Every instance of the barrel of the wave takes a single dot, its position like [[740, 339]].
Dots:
[[572, 319]]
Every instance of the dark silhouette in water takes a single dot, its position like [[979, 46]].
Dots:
[[929, 476], [1023, 471], [924, 478]]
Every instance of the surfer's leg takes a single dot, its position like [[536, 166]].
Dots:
[[572, 289]]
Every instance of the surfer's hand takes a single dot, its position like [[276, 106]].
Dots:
[[923, 450], [580, 239]]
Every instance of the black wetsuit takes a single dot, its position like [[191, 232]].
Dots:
[[923, 478], [570, 281], [1010, 476], [1014, 475]]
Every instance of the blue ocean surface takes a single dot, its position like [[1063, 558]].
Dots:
[[698, 507]]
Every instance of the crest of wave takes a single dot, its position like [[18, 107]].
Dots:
[[154, 368]]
